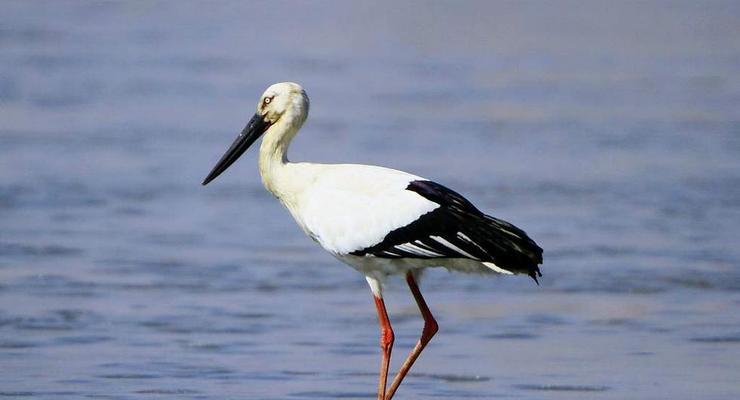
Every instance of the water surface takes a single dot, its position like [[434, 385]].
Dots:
[[610, 132]]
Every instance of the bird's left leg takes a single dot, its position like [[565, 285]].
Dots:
[[430, 328]]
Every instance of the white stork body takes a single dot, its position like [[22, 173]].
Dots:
[[350, 207], [380, 221]]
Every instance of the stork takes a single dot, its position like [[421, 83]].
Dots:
[[379, 221]]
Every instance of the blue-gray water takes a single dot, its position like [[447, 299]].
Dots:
[[610, 132]]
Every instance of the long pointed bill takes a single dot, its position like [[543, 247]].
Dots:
[[254, 129]]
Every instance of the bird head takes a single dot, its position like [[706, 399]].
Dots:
[[284, 104], [283, 99]]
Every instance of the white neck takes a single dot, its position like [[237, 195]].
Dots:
[[273, 157]]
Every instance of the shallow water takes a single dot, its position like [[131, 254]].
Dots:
[[610, 132]]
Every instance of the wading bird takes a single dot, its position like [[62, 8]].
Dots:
[[379, 221]]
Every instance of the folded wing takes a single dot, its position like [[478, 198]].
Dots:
[[457, 229]]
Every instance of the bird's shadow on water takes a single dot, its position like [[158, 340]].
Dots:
[[419, 381]]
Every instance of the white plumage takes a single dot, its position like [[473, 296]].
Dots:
[[351, 207], [378, 220]]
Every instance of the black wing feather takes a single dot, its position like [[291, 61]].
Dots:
[[459, 223]]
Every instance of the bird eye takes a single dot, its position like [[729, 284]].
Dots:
[[267, 100]]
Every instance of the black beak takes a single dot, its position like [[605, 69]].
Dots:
[[254, 129]]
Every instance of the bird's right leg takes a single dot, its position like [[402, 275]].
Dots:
[[430, 328], [386, 336]]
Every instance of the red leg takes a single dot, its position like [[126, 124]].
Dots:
[[386, 344], [430, 328]]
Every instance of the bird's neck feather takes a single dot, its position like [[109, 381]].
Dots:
[[273, 157]]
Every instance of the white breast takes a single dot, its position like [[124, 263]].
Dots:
[[347, 207]]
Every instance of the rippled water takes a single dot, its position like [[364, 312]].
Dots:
[[611, 132]]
